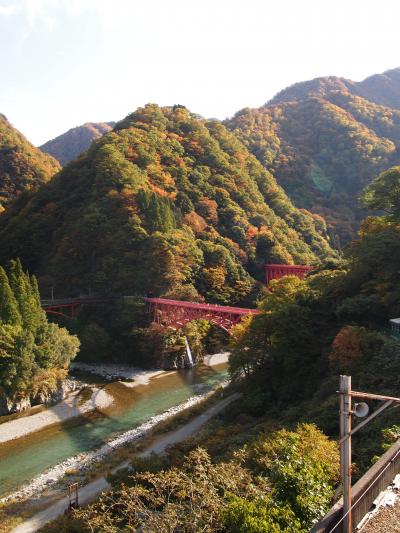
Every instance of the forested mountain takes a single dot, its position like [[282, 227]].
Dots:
[[75, 141], [22, 166], [383, 89], [324, 143], [168, 203]]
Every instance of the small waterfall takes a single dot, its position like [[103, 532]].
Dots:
[[189, 354]]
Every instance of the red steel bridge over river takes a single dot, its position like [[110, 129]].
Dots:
[[176, 313], [167, 313]]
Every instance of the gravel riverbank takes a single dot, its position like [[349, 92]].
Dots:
[[136, 376], [71, 407], [84, 461], [90, 491]]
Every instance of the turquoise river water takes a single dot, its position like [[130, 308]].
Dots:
[[27, 457]]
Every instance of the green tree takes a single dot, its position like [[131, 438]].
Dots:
[[303, 468], [27, 295], [263, 515], [29, 345], [383, 194], [9, 313]]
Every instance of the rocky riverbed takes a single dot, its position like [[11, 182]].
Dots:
[[54, 478], [77, 403], [118, 372]]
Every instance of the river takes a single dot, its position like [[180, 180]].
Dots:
[[25, 458]]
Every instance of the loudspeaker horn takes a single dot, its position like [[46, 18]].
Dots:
[[361, 409]]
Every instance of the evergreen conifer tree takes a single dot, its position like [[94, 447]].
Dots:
[[9, 313], [28, 343], [27, 295]]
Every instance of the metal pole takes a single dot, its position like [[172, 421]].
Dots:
[[345, 449]]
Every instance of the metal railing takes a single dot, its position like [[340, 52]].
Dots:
[[365, 491]]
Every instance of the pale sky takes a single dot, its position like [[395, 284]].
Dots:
[[66, 62]]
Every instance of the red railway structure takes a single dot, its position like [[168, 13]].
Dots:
[[276, 271], [168, 313], [67, 307], [176, 313]]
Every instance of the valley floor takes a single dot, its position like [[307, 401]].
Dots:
[[93, 489], [77, 403]]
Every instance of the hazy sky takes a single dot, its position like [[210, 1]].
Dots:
[[65, 62]]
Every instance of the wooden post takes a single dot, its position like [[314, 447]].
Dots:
[[73, 496], [345, 449]]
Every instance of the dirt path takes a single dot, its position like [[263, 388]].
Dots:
[[93, 489]]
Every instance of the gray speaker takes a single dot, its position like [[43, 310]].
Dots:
[[361, 409]]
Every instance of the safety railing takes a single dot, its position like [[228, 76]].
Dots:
[[364, 492]]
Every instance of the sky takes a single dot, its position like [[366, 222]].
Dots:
[[66, 62]]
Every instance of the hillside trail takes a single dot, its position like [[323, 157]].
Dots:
[[90, 491]]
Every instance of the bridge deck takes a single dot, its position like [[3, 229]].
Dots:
[[206, 307]]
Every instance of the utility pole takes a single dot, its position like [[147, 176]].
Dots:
[[345, 449], [346, 432]]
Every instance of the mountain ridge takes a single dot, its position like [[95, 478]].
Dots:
[[324, 143], [166, 202], [382, 89], [75, 141]]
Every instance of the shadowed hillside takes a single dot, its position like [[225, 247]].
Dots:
[[324, 143], [75, 141]]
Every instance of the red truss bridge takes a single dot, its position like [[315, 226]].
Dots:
[[167, 313], [67, 307], [176, 313], [276, 271]]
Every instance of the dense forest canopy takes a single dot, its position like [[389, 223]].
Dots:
[[382, 89], [334, 322], [324, 141], [75, 141], [267, 467], [168, 203], [22, 166]]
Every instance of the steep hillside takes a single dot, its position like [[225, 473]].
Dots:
[[318, 87], [22, 166], [75, 141], [324, 144], [382, 89], [168, 203]]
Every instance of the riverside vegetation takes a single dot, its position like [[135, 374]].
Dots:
[[34, 354]]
